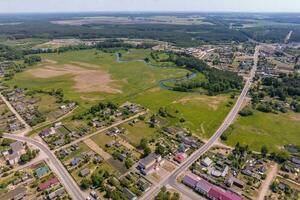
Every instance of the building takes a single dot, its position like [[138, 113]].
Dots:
[[190, 180], [180, 157], [203, 186], [147, 165], [84, 172], [130, 195], [57, 193], [41, 171], [48, 184], [218, 194], [47, 132], [206, 162], [75, 161], [144, 185]]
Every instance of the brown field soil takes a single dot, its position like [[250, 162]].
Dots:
[[86, 80], [212, 102]]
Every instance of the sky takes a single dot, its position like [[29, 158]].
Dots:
[[21, 6]]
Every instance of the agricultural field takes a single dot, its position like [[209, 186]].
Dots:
[[272, 130]]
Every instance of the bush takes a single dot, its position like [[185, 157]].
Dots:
[[246, 111]]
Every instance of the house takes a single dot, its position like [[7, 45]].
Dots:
[[234, 181], [190, 180], [17, 147], [130, 195], [12, 159], [183, 148], [247, 171], [59, 142], [48, 184], [41, 171], [174, 130], [75, 161], [98, 159], [225, 171], [20, 195], [144, 185], [47, 132], [203, 186], [56, 194], [94, 194], [147, 165], [180, 157], [122, 157], [206, 162], [84, 172], [216, 173]]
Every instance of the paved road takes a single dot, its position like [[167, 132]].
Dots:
[[172, 178], [55, 165], [18, 116], [63, 175]]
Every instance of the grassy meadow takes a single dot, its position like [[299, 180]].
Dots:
[[272, 130]]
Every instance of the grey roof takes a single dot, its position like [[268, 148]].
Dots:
[[16, 146]]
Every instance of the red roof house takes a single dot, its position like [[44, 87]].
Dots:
[[180, 157], [48, 184]]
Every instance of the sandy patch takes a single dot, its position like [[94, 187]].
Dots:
[[86, 80], [90, 98], [212, 102], [49, 61], [294, 117]]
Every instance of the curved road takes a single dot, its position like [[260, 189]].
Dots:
[[64, 176], [171, 179]]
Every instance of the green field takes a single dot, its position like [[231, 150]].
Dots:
[[273, 130], [137, 132], [130, 77], [202, 114]]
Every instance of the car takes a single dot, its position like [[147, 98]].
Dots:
[[88, 198]]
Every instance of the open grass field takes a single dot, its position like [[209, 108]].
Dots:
[[202, 114], [266, 129], [89, 76]]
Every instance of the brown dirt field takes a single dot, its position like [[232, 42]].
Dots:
[[212, 102], [86, 80]]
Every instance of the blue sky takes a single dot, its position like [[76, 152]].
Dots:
[[149, 5]]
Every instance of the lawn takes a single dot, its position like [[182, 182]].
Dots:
[[272, 130], [138, 131]]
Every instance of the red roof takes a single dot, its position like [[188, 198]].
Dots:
[[48, 184], [180, 157], [218, 194]]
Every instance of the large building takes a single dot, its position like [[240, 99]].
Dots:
[[148, 164]]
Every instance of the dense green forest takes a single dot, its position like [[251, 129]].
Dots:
[[217, 81]]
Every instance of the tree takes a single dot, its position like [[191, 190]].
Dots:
[[161, 150], [147, 151], [143, 143], [264, 150], [85, 184], [128, 163]]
